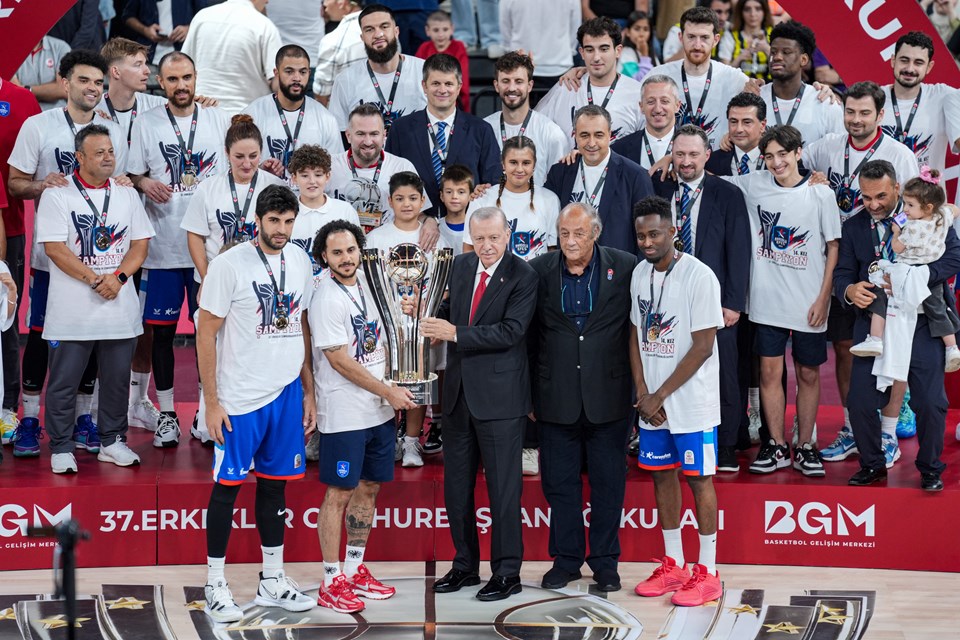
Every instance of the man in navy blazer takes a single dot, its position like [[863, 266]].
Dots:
[[607, 181], [442, 134], [720, 238], [746, 121], [858, 247]]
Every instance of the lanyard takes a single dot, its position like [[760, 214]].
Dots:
[[880, 245], [242, 215], [73, 127], [388, 104], [361, 309], [523, 127], [597, 188], [436, 143], [646, 145], [101, 218], [113, 114], [684, 214], [609, 92], [663, 283], [902, 131], [354, 167], [291, 139], [703, 96], [277, 291], [185, 148], [793, 111], [847, 176]]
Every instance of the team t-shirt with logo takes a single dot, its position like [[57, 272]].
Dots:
[[930, 128], [725, 83], [353, 86], [560, 105], [212, 213], [255, 359], [336, 320], [75, 311], [827, 155], [532, 232], [813, 119], [157, 153], [790, 228], [46, 145], [550, 140], [310, 221], [125, 119], [685, 301], [369, 198], [319, 127]]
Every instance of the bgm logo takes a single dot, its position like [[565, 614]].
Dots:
[[5, 13], [817, 518], [13, 518]]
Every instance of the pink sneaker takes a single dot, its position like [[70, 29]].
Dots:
[[666, 578], [366, 586], [339, 596], [700, 589]]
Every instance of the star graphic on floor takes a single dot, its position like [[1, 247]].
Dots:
[[830, 615], [744, 608], [784, 627], [8, 614], [196, 605], [58, 621], [126, 603]]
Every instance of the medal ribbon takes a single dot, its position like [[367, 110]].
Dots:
[[291, 138], [663, 285], [646, 146], [703, 96], [113, 115], [354, 166], [902, 131], [847, 176], [597, 188], [361, 309], [277, 291], [523, 127], [242, 215], [793, 111], [101, 218], [609, 95], [393, 89], [185, 148]]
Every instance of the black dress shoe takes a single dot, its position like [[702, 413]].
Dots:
[[931, 482], [500, 588], [866, 477], [454, 580], [607, 580], [727, 459], [558, 578]]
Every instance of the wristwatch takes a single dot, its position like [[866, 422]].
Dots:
[[121, 276]]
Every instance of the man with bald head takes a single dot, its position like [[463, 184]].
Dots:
[[581, 393]]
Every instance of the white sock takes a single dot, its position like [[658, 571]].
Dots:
[[889, 425], [754, 396], [139, 384], [330, 571], [409, 439], [846, 418], [708, 552], [353, 561], [31, 405], [272, 561], [215, 569], [673, 545], [84, 404], [165, 398]]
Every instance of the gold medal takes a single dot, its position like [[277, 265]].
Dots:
[[189, 177], [102, 238], [678, 244], [281, 322], [874, 267]]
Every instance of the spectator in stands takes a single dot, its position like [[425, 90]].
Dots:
[[300, 22], [440, 31], [338, 48], [943, 16], [487, 17], [234, 46], [38, 73], [637, 57], [551, 43], [162, 25], [81, 26], [747, 45], [824, 73], [411, 18], [672, 46]]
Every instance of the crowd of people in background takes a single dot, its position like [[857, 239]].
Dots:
[[670, 194]]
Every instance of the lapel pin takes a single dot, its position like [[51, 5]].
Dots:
[[501, 279], [609, 274]]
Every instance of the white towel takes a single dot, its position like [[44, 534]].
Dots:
[[909, 284]]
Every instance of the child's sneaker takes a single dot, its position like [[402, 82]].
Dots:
[[872, 347], [952, 362]]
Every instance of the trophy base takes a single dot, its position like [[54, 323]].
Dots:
[[425, 392]]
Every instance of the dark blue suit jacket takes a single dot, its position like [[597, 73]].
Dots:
[[473, 144], [626, 183], [719, 163], [723, 236], [630, 147]]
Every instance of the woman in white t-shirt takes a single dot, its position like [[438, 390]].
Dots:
[[532, 213]]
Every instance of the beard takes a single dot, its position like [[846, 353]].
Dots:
[[385, 55], [288, 92], [268, 241]]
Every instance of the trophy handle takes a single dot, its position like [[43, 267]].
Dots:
[[384, 295]]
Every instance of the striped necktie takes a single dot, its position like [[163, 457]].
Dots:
[[686, 226], [744, 167], [440, 146]]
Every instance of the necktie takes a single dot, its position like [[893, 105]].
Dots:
[[478, 294], [440, 146], [686, 225], [744, 168], [887, 253]]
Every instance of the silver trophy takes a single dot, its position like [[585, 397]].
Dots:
[[404, 270]]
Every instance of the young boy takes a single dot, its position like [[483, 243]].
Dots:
[[406, 200], [456, 185], [440, 31]]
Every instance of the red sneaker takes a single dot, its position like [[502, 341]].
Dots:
[[666, 578], [366, 586], [339, 596], [700, 589]]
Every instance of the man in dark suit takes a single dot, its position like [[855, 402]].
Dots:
[[442, 134], [581, 393], [486, 399], [608, 182], [858, 250], [712, 224], [746, 120]]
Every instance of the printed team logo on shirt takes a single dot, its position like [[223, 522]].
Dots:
[[307, 245], [66, 161], [918, 144], [656, 338], [268, 310], [232, 228], [176, 164], [525, 244], [87, 233], [781, 244], [703, 121], [280, 149], [367, 347]]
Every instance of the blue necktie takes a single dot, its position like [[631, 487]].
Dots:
[[686, 226], [440, 146], [744, 168], [887, 252]]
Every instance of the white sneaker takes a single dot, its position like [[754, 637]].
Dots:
[[530, 462], [313, 447], [168, 431], [8, 425], [872, 347], [118, 453], [796, 432], [200, 432], [143, 414], [952, 362], [398, 452], [63, 463], [412, 453], [753, 415], [282, 592], [220, 604]]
